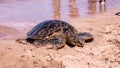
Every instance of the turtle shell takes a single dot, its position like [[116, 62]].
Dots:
[[50, 28]]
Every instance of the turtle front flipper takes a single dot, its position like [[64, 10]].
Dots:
[[57, 43], [86, 36], [40, 43]]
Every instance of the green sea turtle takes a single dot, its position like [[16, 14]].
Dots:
[[57, 33]]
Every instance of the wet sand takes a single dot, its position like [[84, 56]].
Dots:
[[103, 52]]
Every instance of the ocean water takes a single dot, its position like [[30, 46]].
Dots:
[[38, 10]]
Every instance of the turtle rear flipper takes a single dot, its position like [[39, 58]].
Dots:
[[22, 41], [86, 36], [52, 43]]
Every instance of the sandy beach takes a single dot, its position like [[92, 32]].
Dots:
[[102, 52]]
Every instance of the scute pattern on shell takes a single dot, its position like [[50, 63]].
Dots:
[[49, 27]]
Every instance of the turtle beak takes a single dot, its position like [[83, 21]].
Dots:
[[80, 43]]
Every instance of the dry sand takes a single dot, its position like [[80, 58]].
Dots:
[[103, 52]]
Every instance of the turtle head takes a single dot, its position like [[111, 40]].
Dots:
[[76, 41], [80, 41], [82, 38]]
